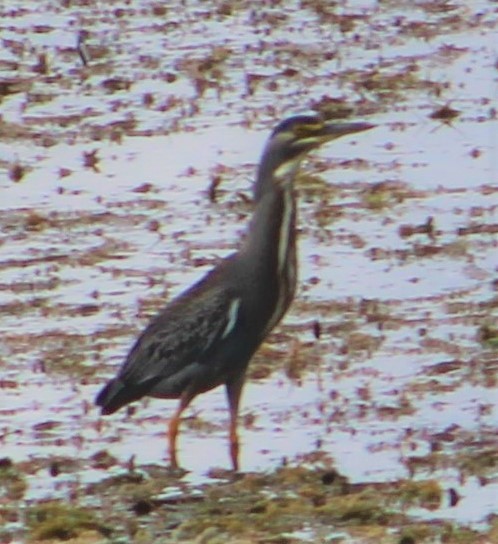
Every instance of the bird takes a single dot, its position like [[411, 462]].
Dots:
[[207, 335]]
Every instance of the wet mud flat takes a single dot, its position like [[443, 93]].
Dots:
[[370, 414]]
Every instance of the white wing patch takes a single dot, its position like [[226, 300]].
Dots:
[[233, 311]]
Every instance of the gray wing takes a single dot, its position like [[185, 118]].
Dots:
[[185, 333]]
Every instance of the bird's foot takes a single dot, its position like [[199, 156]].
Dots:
[[176, 471]]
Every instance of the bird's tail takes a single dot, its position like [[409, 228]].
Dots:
[[115, 395]]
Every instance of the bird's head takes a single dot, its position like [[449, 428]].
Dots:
[[292, 139]]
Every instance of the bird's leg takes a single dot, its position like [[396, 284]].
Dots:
[[174, 424], [234, 390], [234, 441]]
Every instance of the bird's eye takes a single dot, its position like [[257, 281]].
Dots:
[[305, 130]]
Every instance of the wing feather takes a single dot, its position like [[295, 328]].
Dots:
[[184, 333]]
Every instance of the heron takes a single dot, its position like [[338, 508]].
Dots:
[[206, 336]]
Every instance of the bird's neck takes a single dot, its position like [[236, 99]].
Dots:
[[274, 173], [270, 247], [272, 228]]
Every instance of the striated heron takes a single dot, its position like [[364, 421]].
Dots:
[[207, 335]]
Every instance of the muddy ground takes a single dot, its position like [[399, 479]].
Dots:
[[129, 134]]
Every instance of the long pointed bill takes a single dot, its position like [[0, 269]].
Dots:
[[333, 130]]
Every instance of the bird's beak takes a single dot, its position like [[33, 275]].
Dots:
[[332, 130]]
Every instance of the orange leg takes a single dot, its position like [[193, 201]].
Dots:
[[234, 442], [234, 391], [174, 424]]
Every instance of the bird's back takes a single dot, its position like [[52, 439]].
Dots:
[[195, 343]]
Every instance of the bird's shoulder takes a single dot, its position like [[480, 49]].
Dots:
[[186, 330]]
